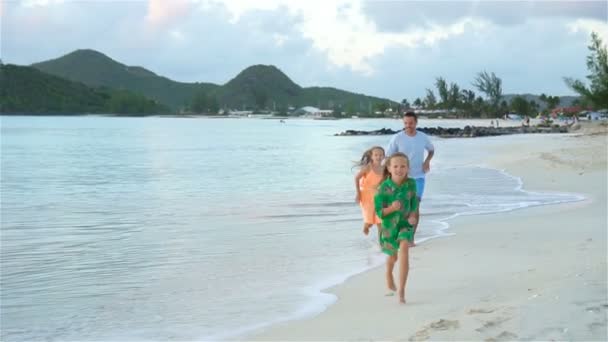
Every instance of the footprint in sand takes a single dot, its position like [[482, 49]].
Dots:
[[421, 335], [440, 325], [552, 333], [594, 309], [444, 324], [597, 327], [491, 324], [480, 311], [503, 336]]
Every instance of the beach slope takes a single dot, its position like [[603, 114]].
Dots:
[[538, 273]]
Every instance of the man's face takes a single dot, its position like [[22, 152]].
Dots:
[[409, 123]]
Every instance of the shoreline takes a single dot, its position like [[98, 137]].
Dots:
[[338, 321], [329, 292], [322, 297]]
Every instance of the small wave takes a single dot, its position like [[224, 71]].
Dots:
[[322, 204], [435, 224]]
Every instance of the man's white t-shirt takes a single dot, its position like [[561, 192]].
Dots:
[[413, 147]]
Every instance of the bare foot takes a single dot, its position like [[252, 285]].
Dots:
[[402, 296], [391, 284], [390, 281], [366, 228]]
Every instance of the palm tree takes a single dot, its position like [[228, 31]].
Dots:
[[491, 85], [597, 64]]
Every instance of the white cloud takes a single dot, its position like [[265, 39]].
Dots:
[[237, 8], [162, 13], [343, 33], [588, 26], [177, 35], [279, 39], [314, 43], [34, 3]]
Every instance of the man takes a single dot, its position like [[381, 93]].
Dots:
[[413, 144]]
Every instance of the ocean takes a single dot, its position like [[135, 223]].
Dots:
[[198, 228]]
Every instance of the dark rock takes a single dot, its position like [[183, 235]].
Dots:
[[467, 131]]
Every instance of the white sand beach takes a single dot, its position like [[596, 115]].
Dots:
[[538, 273]]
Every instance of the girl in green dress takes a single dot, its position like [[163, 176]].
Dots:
[[396, 204]]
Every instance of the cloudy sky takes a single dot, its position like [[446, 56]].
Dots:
[[391, 49]]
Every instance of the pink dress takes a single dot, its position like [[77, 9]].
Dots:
[[368, 185]]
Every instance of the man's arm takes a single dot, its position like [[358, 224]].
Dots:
[[429, 156], [426, 167]]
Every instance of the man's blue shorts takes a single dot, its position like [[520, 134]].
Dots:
[[419, 187]]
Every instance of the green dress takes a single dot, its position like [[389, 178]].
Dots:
[[395, 226]]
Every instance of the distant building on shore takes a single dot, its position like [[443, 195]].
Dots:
[[238, 112], [313, 112]]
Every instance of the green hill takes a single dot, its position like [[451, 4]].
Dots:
[[335, 98], [96, 69], [265, 86], [258, 86], [28, 90]]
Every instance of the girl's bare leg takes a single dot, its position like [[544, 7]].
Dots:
[[412, 243], [404, 268], [366, 228], [390, 264]]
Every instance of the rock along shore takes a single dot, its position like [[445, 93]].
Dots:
[[466, 132]]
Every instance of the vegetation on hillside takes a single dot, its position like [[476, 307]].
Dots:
[[98, 70], [28, 90]]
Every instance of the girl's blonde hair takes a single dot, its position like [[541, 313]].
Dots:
[[387, 163], [366, 158]]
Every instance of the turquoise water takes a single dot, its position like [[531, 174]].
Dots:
[[164, 228]]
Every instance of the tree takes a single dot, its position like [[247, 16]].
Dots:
[[504, 107], [260, 97], [430, 100], [350, 108], [453, 96], [213, 104], [479, 107], [597, 64], [405, 103], [336, 113], [199, 102], [490, 85], [550, 101], [204, 103], [520, 105], [417, 103], [534, 107], [467, 98], [442, 90], [382, 106], [581, 102]]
